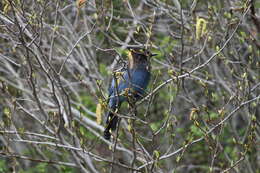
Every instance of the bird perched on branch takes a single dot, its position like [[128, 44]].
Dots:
[[129, 84]]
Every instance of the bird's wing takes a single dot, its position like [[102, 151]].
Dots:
[[139, 81], [111, 88], [140, 78], [117, 82], [136, 79]]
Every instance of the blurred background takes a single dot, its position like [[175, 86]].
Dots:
[[201, 110]]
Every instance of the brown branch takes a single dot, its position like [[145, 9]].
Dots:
[[12, 155]]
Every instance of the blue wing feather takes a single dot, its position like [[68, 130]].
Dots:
[[136, 80]]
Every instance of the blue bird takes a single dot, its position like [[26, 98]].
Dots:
[[131, 84]]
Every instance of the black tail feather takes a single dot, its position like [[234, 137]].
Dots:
[[111, 124], [107, 134]]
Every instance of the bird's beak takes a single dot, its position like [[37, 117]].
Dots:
[[154, 54]]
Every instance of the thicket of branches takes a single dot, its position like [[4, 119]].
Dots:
[[201, 111]]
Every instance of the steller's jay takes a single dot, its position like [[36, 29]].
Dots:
[[133, 81]]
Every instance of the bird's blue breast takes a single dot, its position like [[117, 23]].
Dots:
[[135, 80]]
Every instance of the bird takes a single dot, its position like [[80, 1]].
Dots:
[[129, 84]]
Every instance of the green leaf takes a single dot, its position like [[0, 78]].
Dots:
[[156, 153], [178, 159], [196, 131]]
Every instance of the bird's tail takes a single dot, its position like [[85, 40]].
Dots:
[[111, 124]]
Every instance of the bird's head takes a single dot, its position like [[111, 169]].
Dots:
[[139, 57]]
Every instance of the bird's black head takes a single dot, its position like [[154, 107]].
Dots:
[[138, 57]]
